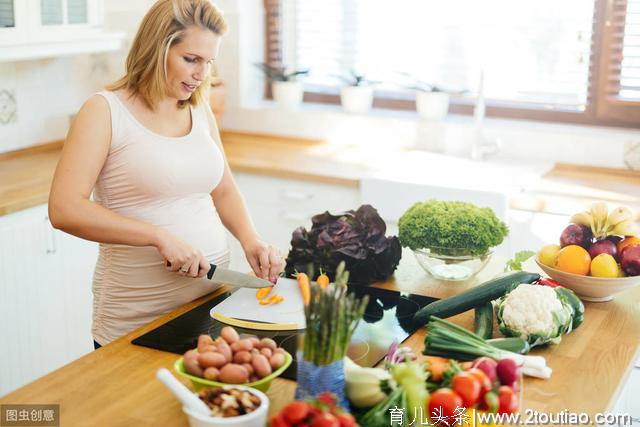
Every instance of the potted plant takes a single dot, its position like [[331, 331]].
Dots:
[[432, 101], [357, 96], [286, 89]]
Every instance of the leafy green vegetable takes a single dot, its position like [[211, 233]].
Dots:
[[515, 263], [451, 228]]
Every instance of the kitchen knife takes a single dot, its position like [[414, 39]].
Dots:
[[225, 276]]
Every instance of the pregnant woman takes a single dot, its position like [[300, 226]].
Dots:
[[149, 150]]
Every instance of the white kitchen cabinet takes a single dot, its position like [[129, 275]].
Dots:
[[33, 29], [278, 206], [45, 297]]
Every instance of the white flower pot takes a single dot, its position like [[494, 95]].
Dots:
[[432, 105], [288, 95], [356, 99]]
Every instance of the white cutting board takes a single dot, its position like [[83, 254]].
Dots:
[[243, 305]]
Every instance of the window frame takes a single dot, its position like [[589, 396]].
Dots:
[[599, 110]]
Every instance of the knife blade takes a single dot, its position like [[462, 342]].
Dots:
[[225, 276]]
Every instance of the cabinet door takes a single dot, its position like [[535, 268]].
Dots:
[[45, 297]]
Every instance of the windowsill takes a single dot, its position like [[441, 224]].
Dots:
[[93, 42], [523, 142]]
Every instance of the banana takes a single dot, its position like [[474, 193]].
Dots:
[[583, 218], [618, 215], [626, 228], [599, 211]]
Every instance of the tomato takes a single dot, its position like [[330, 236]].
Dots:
[[468, 387], [278, 421], [296, 412], [325, 419], [346, 420], [443, 404], [508, 400], [328, 399], [485, 382]]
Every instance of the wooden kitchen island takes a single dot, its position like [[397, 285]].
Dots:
[[116, 385]]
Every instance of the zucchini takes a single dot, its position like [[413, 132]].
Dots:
[[575, 303], [512, 344], [474, 297], [483, 320]]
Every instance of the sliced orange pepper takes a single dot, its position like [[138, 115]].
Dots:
[[323, 281], [263, 292], [278, 299]]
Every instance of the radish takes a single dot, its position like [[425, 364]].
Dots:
[[486, 365], [508, 371]]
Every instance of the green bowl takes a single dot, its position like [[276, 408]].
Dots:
[[262, 384]]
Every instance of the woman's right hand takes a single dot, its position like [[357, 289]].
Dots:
[[180, 256]]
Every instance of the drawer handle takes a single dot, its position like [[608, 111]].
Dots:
[[52, 247], [297, 195]]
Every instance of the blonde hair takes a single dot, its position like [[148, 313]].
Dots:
[[162, 26]]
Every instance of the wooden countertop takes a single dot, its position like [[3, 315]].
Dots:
[[25, 176], [116, 385]]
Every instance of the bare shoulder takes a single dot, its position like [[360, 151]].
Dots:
[[96, 107]]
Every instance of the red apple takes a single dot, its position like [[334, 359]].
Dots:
[[630, 260], [603, 247], [576, 234]]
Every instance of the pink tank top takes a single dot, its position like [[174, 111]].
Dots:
[[164, 181]]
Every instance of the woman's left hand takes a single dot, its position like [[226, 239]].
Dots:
[[264, 259]]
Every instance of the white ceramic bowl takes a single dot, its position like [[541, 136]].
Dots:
[[591, 288], [252, 419]]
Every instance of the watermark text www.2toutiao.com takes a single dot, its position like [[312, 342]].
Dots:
[[531, 417]]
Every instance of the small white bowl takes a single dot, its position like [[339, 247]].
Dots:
[[252, 419], [589, 288]]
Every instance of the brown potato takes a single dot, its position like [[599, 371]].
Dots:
[[191, 354], [266, 352], [192, 367], [241, 345], [229, 334], [211, 358], [279, 350], [208, 348], [232, 373], [225, 350], [268, 343], [211, 373], [276, 361], [203, 341], [242, 357], [248, 367], [255, 341], [261, 365]]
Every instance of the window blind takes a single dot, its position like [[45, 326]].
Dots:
[[529, 52], [7, 18], [624, 77]]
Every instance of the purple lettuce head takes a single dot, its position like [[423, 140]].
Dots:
[[357, 237]]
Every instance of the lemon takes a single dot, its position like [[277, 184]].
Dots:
[[548, 254], [604, 265]]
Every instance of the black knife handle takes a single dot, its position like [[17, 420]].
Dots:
[[211, 271]]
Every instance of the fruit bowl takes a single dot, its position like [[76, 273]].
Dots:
[[262, 384], [451, 267], [589, 288]]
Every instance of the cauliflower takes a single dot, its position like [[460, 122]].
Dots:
[[534, 313]]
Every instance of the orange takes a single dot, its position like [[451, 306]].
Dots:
[[629, 241], [573, 259]]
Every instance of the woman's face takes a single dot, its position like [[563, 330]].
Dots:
[[189, 61]]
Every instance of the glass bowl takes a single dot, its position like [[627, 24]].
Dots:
[[451, 264]]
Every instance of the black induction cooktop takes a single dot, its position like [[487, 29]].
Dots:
[[387, 318]]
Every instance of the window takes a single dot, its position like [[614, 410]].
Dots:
[[574, 60], [7, 18], [59, 12]]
